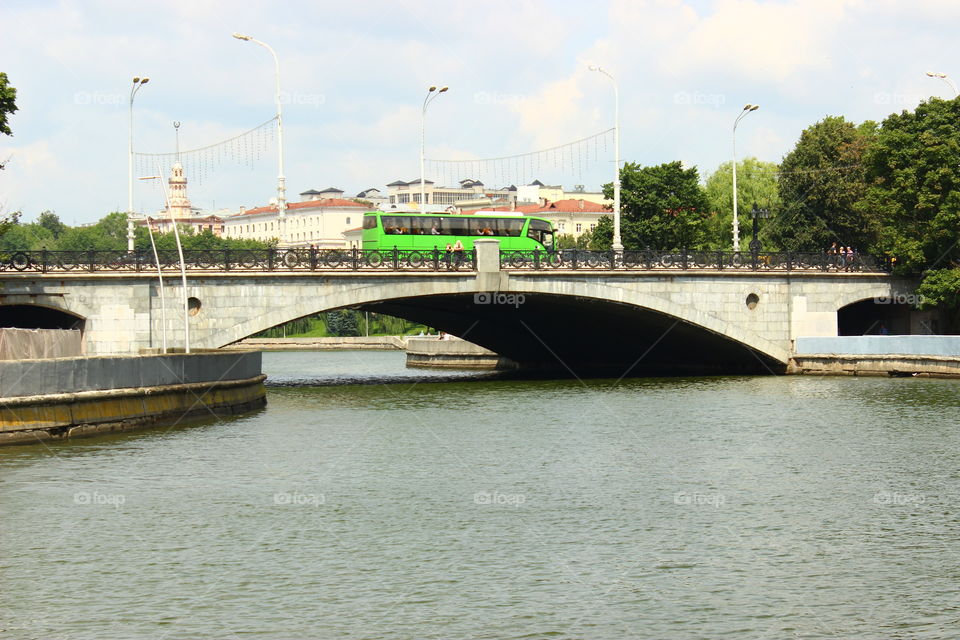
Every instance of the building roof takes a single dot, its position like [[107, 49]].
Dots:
[[324, 203], [312, 192], [331, 190], [397, 183], [364, 194], [572, 205]]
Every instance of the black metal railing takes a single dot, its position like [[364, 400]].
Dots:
[[657, 260], [430, 260], [238, 260]]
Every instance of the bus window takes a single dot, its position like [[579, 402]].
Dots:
[[396, 225], [482, 227], [457, 226], [426, 225], [370, 222], [542, 232], [512, 227]]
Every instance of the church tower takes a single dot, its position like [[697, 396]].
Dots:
[[179, 202]]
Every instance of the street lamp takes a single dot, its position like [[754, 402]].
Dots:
[[281, 180], [430, 97], [137, 83], [617, 244], [183, 269], [757, 215], [736, 222], [945, 78]]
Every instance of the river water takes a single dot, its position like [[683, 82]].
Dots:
[[370, 501]]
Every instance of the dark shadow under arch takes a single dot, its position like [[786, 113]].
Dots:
[[31, 316], [583, 336]]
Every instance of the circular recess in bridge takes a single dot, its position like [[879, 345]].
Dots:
[[193, 306], [752, 301]]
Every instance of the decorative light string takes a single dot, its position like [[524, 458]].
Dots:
[[572, 158], [243, 149]]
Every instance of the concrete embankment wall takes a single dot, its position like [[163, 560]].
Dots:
[[68, 397], [453, 354], [17, 344], [877, 356], [386, 343]]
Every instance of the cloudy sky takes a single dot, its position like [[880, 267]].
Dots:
[[354, 75]]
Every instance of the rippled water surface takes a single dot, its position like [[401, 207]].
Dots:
[[411, 504]]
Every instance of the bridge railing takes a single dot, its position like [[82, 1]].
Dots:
[[238, 260], [653, 260]]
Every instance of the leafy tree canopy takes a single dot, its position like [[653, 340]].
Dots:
[[756, 184], [662, 207], [821, 184], [8, 104]]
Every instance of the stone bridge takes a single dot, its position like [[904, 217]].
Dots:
[[684, 320]]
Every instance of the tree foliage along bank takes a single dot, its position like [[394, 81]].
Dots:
[[108, 234]]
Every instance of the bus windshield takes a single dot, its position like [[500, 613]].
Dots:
[[542, 232]]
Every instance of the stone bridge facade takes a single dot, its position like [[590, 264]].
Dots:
[[680, 321]]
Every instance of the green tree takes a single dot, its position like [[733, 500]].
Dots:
[[914, 173], [822, 182], [569, 241], [51, 222], [108, 234], [756, 183], [662, 207], [26, 237], [8, 104], [8, 222]]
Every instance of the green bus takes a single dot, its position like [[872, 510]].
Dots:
[[421, 231]]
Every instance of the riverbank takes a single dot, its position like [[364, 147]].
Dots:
[[58, 398], [922, 355], [454, 353], [382, 343]]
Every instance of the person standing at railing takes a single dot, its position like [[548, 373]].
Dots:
[[458, 253], [849, 258], [449, 256]]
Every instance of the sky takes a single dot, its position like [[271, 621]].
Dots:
[[354, 76]]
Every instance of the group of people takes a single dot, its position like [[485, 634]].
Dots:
[[842, 256], [454, 254]]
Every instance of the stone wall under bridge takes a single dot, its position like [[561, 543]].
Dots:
[[648, 322]]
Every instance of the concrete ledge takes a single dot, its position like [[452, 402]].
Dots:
[[453, 354], [874, 365], [33, 419], [45, 377], [915, 345], [385, 343]]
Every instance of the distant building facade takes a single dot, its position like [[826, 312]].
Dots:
[[317, 222], [406, 195], [180, 211], [537, 193]]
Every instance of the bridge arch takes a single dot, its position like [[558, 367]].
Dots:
[[583, 323], [38, 316]]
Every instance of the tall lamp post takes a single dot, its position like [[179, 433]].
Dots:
[[137, 83], [183, 269], [945, 78], [430, 97], [736, 221], [617, 244], [281, 180]]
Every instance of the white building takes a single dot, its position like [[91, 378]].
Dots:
[[320, 223], [538, 193], [406, 195]]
